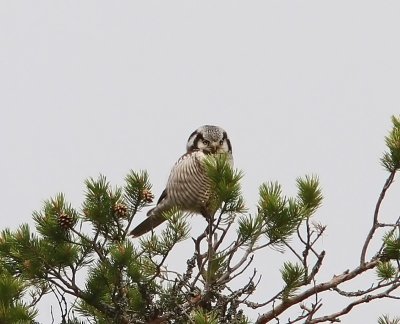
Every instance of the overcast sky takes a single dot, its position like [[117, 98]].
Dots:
[[301, 87]]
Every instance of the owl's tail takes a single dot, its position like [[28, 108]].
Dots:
[[151, 222]]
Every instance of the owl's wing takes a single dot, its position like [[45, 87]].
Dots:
[[162, 197], [147, 225], [185, 188], [152, 221]]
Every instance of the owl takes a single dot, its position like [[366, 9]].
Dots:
[[188, 186]]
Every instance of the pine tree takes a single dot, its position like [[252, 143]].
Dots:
[[129, 280]]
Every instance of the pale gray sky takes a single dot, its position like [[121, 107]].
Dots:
[[91, 87]]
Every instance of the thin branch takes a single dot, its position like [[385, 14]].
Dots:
[[365, 299], [132, 216], [320, 231], [261, 246], [308, 245], [248, 251], [199, 255], [334, 282], [254, 305], [397, 224], [92, 243], [160, 264], [210, 255], [371, 233], [248, 289], [224, 232], [316, 267], [226, 277], [37, 295], [389, 225], [366, 291], [307, 312], [293, 251]]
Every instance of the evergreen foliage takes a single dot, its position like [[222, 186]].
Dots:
[[385, 319], [86, 253]]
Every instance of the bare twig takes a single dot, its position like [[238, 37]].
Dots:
[[316, 267], [375, 223], [293, 251], [359, 293]]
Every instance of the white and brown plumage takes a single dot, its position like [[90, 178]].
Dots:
[[188, 186]]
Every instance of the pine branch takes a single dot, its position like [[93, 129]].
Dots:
[[334, 282], [334, 317]]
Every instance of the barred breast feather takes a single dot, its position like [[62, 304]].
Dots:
[[188, 188], [188, 185]]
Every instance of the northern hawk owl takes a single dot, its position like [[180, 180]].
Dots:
[[188, 186]]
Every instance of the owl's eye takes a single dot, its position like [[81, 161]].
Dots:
[[205, 142], [221, 142]]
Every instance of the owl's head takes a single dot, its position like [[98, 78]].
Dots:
[[210, 140]]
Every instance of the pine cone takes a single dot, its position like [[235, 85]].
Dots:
[[147, 196], [121, 210], [66, 221], [27, 264]]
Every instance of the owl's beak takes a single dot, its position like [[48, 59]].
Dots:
[[214, 148]]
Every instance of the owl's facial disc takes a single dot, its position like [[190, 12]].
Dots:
[[210, 140]]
